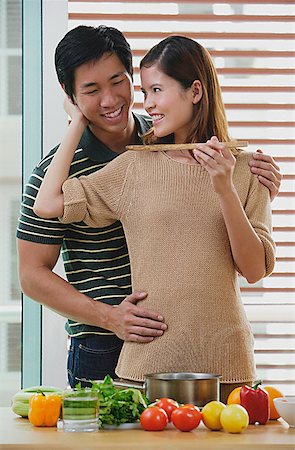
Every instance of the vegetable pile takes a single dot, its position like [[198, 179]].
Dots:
[[117, 406], [245, 405]]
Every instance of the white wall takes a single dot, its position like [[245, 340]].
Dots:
[[55, 25]]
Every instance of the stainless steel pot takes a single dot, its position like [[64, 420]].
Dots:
[[195, 388]]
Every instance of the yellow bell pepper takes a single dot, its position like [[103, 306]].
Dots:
[[44, 410]]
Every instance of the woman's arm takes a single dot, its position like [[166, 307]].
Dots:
[[50, 200], [246, 246]]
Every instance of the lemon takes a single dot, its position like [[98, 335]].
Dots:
[[234, 418], [211, 414]]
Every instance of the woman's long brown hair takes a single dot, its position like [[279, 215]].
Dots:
[[185, 60]]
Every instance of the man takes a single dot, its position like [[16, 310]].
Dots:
[[97, 300]]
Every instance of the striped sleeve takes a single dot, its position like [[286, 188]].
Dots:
[[31, 227]]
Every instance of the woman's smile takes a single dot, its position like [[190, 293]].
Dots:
[[156, 118]]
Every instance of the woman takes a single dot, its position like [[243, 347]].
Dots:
[[192, 220]]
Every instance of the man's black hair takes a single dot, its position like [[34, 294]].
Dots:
[[85, 43]]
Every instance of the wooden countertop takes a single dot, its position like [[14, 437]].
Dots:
[[17, 433]]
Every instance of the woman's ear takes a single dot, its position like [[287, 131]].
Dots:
[[197, 91]]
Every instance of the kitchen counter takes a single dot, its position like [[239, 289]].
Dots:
[[17, 433]]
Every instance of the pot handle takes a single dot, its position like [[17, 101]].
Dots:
[[129, 384], [120, 383]]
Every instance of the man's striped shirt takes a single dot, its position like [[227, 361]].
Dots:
[[96, 260]]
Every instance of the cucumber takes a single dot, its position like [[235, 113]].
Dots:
[[20, 400], [20, 408], [44, 389]]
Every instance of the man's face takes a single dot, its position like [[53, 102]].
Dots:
[[104, 93]]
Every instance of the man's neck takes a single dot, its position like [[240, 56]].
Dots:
[[118, 141]]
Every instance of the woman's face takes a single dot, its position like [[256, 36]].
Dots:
[[167, 102]]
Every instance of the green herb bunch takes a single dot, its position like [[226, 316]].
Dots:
[[117, 406]]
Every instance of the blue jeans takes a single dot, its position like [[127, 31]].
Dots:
[[92, 357]]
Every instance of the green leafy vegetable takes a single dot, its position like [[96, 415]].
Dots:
[[117, 406]]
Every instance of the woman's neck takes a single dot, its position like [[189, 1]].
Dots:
[[183, 156]]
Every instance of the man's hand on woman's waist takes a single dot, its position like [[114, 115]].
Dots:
[[135, 323]]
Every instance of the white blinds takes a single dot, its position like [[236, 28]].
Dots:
[[252, 44]]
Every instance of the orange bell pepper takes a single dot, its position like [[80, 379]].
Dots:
[[44, 410]]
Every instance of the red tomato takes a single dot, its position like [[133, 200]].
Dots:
[[185, 418], [168, 405], [153, 419], [191, 406]]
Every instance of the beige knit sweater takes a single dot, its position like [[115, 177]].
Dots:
[[180, 254]]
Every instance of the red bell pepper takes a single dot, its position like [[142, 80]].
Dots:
[[256, 401]]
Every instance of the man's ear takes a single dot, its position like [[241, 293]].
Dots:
[[71, 100], [197, 91]]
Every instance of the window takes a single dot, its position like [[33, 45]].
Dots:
[[10, 196], [14, 281], [253, 49]]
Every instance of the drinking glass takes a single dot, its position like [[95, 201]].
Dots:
[[80, 409]]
